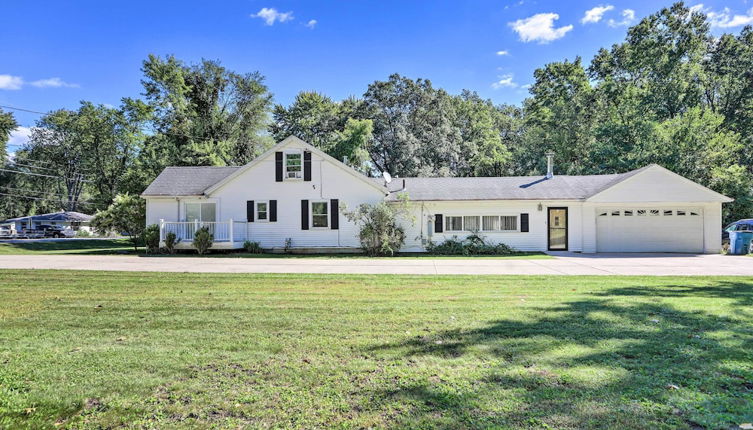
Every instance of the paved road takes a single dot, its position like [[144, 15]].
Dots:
[[562, 264]]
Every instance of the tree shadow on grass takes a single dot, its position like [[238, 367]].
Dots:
[[602, 362]]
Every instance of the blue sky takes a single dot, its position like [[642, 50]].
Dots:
[[56, 53]]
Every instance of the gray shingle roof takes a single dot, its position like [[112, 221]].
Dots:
[[559, 187], [187, 181], [69, 216]]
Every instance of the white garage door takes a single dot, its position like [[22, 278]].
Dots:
[[671, 229]]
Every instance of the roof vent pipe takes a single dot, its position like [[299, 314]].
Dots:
[[549, 165]]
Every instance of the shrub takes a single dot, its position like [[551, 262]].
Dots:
[[379, 234], [288, 245], [170, 240], [202, 240], [151, 238], [252, 247], [83, 233], [126, 215], [472, 245]]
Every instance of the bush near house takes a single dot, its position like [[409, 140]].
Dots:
[[170, 240], [474, 244], [126, 215], [252, 247], [380, 233], [151, 238], [202, 240]]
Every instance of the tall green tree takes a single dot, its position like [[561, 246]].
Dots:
[[7, 125], [204, 114]]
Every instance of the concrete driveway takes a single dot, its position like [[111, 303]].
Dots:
[[561, 264]]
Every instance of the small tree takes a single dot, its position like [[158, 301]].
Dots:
[[170, 240], [202, 240], [151, 238], [380, 233], [126, 215]]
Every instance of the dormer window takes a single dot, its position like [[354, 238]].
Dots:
[[293, 165]]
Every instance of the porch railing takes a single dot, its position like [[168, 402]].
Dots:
[[223, 231]]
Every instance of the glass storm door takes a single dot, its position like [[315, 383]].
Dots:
[[557, 229]]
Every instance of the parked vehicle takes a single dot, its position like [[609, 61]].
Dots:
[[739, 225], [55, 231], [6, 232]]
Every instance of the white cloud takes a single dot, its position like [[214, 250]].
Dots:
[[10, 82], [628, 16], [270, 15], [724, 18], [594, 15], [505, 81], [53, 83], [311, 24], [539, 28], [503, 52], [18, 137]]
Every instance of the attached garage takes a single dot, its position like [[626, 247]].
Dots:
[[636, 229]]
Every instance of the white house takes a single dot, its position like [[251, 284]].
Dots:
[[292, 195]]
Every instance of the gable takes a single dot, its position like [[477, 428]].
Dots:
[[261, 170], [657, 184]]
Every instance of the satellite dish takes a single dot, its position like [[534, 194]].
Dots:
[[387, 177]]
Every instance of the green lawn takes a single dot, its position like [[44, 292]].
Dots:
[[145, 350], [124, 247], [76, 246]]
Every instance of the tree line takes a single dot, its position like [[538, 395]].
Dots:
[[671, 93]]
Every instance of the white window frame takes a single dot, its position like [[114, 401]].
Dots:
[[481, 223], [311, 214], [447, 221], [201, 203], [256, 210], [286, 177]]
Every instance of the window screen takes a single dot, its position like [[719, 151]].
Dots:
[[319, 214], [453, 223], [471, 223], [490, 223], [509, 223]]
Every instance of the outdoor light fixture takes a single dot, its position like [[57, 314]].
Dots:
[[540, 207]]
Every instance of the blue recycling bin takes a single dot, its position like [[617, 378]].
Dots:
[[739, 242]]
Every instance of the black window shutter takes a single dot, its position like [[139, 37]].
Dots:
[[304, 214], [306, 165], [250, 210], [334, 208], [524, 223], [273, 211], [278, 166], [438, 225]]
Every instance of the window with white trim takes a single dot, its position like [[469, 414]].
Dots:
[[478, 223], [453, 223], [471, 223], [509, 223], [490, 223], [262, 211], [202, 212], [320, 214], [293, 165]]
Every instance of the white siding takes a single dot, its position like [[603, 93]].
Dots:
[[328, 181], [656, 185], [534, 240], [161, 208]]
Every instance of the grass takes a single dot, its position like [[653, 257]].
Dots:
[[68, 246], [148, 350], [124, 247]]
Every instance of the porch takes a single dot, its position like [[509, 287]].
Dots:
[[228, 234]]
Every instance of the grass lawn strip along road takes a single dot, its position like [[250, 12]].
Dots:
[[108, 349]]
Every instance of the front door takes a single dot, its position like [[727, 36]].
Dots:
[[557, 236]]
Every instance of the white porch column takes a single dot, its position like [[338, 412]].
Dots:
[[161, 232]]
